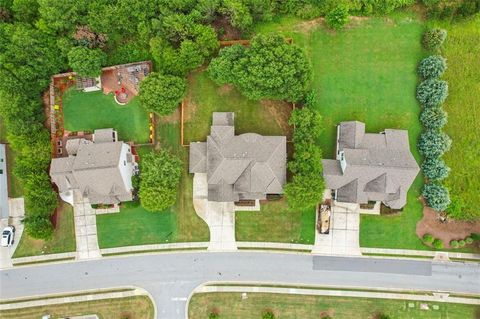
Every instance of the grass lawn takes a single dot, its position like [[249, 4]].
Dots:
[[136, 226], [276, 223], [205, 97], [463, 107], [367, 72], [63, 239], [94, 110], [231, 305], [140, 307]]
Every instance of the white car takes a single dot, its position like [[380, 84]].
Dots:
[[7, 236]]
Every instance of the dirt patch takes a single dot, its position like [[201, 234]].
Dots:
[[280, 111], [355, 21], [225, 89], [172, 118], [307, 26], [225, 30], [445, 231]]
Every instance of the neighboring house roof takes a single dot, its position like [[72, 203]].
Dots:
[[3, 183], [95, 170], [376, 167], [246, 166]]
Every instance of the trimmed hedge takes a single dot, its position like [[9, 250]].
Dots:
[[432, 92], [435, 169], [454, 244], [433, 118], [437, 244], [433, 143], [427, 238], [434, 38], [437, 196], [432, 67]]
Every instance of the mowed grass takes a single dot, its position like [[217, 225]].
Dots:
[[367, 72], [463, 106], [276, 222], [205, 97], [231, 305], [134, 225], [139, 307], [63, 239], [95, 110]]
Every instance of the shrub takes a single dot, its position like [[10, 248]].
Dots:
[[433, 143], [432, 67], [427, 238], [268, 315], [437, 244], [432, 92], [454, 244], [433, 118], [469, 240], [437, 196], [213, 315], [461, 243], [435, 169], [38, 227], [475, 236], [161, 93], [337, 18], [434, 38]]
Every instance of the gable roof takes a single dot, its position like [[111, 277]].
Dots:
[[246, 166], [376, 166], [94, 169]]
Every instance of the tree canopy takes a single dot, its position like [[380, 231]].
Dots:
[[86, 62], [159, 178], [269, 68], [162, 93]]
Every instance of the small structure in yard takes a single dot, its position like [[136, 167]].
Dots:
[[245, 167], [101, 169], [370, 167]]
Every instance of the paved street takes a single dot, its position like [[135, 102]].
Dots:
[[171, 277]]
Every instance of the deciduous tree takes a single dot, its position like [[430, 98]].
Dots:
[[159, 178], [161, 93], [86, 62]]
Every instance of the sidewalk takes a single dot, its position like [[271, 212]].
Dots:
[[425, 296], [419, 253], [92, 296]]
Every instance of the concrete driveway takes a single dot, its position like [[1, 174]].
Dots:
[[220, 217], [16, 208], [344, 236], [85, 228]]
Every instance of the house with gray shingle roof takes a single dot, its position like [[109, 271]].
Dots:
[[239, 167], [370, 167], [101, 169]]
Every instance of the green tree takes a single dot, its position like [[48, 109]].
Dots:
[[433, 143], [337, 18], [159, 180], [432, 92], [432, 67], [60, 16], [238, 13], [28, 58], [25, 10], [434, 38], [269, 68], [307, 125], [86, 62], [39, 227], [220, 69], [437, 196], [433, 118], [435, 169], [40, 199], [161, 93]]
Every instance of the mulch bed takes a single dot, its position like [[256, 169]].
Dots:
[[445, 231]]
